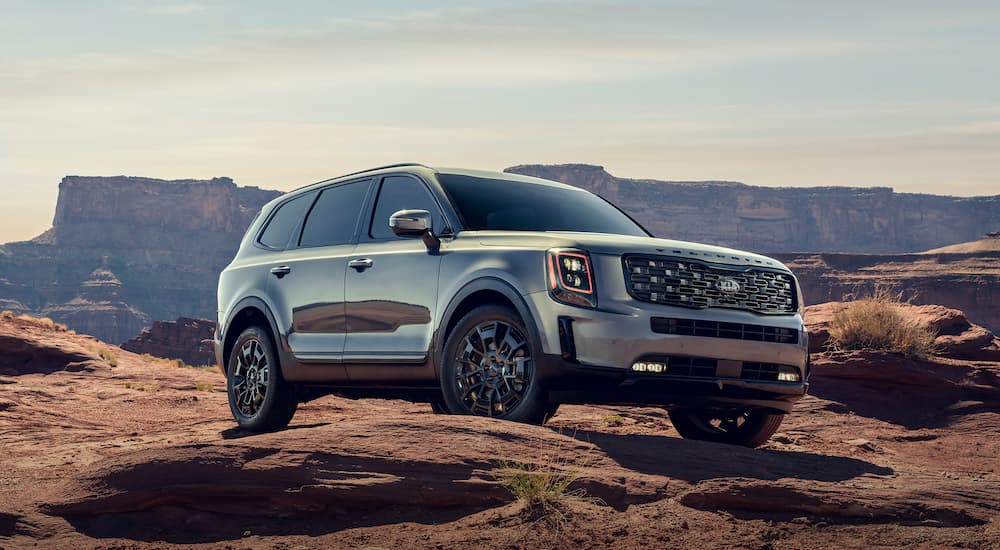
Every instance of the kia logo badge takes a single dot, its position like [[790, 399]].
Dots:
[[729, 286]]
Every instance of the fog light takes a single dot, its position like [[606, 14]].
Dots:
[[788, 374], [649, 366]]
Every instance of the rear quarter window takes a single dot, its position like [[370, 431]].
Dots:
[[284, 221], [334, 216]]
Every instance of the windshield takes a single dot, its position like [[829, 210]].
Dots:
[[486, 203]]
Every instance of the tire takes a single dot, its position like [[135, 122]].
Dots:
[[260, 400], [750, 428], [482, 378], [551, 411]]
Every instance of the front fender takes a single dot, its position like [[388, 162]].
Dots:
[[487, 282]]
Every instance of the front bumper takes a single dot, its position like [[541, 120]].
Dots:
[[589, 355], [567, 382]]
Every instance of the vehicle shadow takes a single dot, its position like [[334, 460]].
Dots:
[[915, 407], [239, 433], [695, 461]]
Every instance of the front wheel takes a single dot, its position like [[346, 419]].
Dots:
[[488, 368], [750, 428], [259, 398]]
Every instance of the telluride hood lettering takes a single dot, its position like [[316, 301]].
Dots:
[[599, 243]]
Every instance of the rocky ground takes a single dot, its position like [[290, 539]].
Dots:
[[105, 448]]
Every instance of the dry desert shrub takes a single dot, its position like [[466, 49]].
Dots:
[[110, 358], [613, 420], [878, 323], [537, 485], [545, 489], [43, 322]]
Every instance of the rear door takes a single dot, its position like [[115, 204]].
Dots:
[[308, 283], [392, 289]]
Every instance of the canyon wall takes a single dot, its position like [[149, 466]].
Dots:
[[968, 281], [770, 219], [125, 251]]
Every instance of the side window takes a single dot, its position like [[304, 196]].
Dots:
[[401, 193], [335, 214], [285, 220]]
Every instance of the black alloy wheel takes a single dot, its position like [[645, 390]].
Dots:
[[258, 397], [749, 428], [488, 368]]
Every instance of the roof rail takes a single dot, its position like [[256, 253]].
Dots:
[[397, 165], [362, 172]]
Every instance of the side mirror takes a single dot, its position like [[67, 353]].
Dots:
[[415, 223]]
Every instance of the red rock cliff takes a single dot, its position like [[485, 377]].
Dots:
[[770, 219], [186, 339], [124, 250]]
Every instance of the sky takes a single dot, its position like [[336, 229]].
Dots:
[[895, 93]]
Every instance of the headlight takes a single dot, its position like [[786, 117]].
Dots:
[[571, 280]]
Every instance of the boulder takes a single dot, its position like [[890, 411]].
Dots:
[[957, 337]]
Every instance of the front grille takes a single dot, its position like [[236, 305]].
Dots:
[[760, 371], [695, 284], [714, 329]]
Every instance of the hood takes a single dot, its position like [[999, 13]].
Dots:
[[603, 243]]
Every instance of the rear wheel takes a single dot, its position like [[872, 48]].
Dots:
[[750, 428], [259, 398], [488, 368]]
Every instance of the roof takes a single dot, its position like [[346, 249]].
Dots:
[[422, 167], [503, 176]]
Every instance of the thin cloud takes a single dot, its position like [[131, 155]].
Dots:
[[177, 9]]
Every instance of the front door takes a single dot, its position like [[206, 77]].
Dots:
[[391, 288]]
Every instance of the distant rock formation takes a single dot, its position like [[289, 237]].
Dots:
[[186, 339], [969, 281], [989, 243], [123, 251], [771, 219], [99, 309]]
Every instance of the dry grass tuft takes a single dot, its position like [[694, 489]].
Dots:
[[878, 323], [108, 357], [613, 420], [544, 490], [537, 486], [143, 387], [43, 322], [205, 386]]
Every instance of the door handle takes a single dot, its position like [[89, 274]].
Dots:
[[280, 271], [361, 264]]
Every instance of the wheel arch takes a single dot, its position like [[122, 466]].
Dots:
[[479, 292], [250, 311]]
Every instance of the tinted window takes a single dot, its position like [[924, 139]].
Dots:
[[485, 203], [334, 216], [285, 220], [401, 193]]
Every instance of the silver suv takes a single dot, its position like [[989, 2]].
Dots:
[[501, 295]]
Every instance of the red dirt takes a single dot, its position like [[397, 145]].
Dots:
[[137, 456]]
